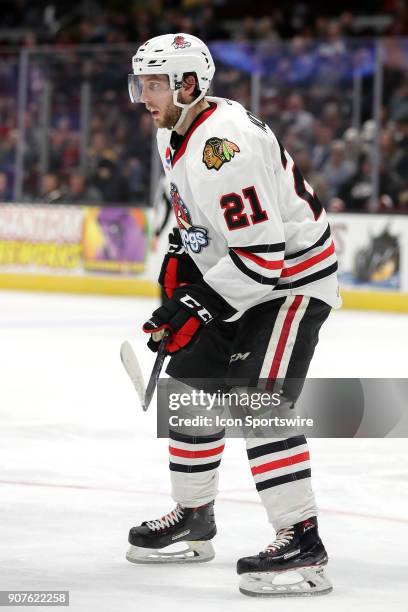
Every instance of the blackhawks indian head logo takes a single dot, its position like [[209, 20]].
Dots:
[[180, 42], [194, 238], [218, 151]]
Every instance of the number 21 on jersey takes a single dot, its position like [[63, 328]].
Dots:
[[234, 209]]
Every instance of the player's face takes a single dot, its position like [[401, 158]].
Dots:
[[157, 97]]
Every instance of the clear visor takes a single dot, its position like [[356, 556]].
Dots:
[[146, 87]]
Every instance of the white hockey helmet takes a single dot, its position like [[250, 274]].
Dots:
[[173, 55]]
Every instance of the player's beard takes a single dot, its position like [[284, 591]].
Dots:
[[171, 115]]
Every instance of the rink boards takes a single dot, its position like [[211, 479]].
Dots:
[[108, 251]]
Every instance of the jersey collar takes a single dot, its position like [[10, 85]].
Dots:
[[180, 142]]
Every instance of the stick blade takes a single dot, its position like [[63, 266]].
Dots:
[[133, 369]]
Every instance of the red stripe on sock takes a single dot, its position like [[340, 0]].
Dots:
[[180, 452], [279, 463]]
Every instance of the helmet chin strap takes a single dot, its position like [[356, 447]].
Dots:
[[185, 107]]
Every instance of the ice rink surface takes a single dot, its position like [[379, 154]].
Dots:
[[80, 464]]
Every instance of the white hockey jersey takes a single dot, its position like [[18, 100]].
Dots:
[[251, 223]]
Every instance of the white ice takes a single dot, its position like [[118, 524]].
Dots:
[[80, 464]]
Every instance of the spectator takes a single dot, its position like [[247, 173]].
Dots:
[[330, 117], [138, 156], [399, 102], [64, 147], [100, 149], [400, 156], [357, 193], [8, 150], [5, 191], [79, 193], [334, 44], [394, 157], [300, 120], [50, 189], [323, 137], [337, 169], [247, 31], [111, 184], [291, 141], [351, 139]]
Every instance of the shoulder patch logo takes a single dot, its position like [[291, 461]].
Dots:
[[218, 151], [194, 237], [180, 42]]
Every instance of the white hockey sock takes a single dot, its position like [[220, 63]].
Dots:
[[281, 470]]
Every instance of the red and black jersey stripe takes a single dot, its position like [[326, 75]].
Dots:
[[310, 278], [325, 236], [259, 278], [242, 255], [263, 248]]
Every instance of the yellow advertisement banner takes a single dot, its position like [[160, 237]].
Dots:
[[37, 238], [48, 255]]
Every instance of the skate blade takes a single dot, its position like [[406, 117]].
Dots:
[[302, 582], [193, 552]]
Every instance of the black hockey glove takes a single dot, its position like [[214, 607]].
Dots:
[[184, 315], [178, 269]]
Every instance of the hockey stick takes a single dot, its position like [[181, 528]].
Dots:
[[133, 369], [157, 368]]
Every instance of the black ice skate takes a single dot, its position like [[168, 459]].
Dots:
[[291, 566], [193, 527]]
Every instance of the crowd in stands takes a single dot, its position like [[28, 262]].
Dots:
[[121, 21], [305, 60], [337, 158]]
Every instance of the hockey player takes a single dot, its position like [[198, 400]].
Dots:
[[254, 243]]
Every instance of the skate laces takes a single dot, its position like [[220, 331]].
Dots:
[[170, 519], [283, 537]]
